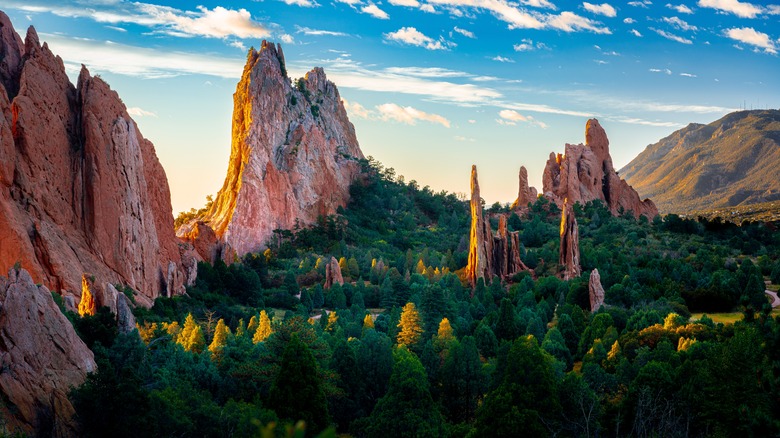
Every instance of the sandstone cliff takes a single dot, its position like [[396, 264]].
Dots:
[[294, 153], [569, 256], [585, 173], [81, 191], [42, 358]]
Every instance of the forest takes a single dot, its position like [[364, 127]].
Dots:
[[406, 348]]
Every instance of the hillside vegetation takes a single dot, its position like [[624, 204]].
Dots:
[[731, 162], [403, 348]]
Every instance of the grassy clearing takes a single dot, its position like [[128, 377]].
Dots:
[[727, 317]]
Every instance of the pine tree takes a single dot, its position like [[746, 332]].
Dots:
[[410, 325], [253, 324], [297, 392], [221, 333], [263, 328], [191, 335], [444, 333]]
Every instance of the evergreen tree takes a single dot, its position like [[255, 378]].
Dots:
[[264, 329], [410, 325], [506, 326], [251, 328], [408, 408], [318, 298], [297, 392]]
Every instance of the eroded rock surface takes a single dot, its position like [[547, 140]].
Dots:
[[596, 291], [333, 273], [569, 257]]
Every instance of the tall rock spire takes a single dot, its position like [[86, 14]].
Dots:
[[293, 157], [569, 257], [480, 237], [525, 193]]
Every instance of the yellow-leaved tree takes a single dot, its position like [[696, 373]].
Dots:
[[263, 328], [410, 325], [221, 333], [368, 322], [191, 336], [253, 324], [333, 322]]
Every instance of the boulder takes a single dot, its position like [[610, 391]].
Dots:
[[333, 273]]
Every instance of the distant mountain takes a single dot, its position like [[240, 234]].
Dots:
[[733, 161]]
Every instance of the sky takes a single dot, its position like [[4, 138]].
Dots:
[[432, 86]]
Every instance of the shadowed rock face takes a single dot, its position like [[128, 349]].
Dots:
[[294, 154], [585, 173], [80, 189], [42, 358], [596, 291], [333, 273], [569, 257]]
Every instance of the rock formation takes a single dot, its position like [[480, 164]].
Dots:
[[42, 358], [80, 189], [205, 242], [585, 173], [333, 273], [525, 194], [294, 153], [596, 291], [569, 258], [489, 255]]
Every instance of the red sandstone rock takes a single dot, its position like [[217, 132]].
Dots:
[[333, 273], [585, 173], [480, 237], [525, 194], [569, 258], [80, 189], [294, 154], [596, 291], [208, 247], [42, 359]]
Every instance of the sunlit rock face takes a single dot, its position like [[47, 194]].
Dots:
[[569, 256], [585, 173], [81, 190], [525, 193], [294, 153], [42, 359]]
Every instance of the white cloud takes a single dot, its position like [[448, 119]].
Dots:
[[464, 32], [512, 117], [411, 36], [472, 121], [629, 20], [539, 4], [688, 75], [641, 4], [303, 3], [679, 24], [465, 139], [740, 9], [636, 33], [659, 70], [350, 2], [671, 36], [604, 9], [356, 110], [409, 115], [428, 8], [138, 112], [286, 38], [408, 3], [319, 32], [750, 36], [502, 59], [600, 62], [238, 45], [527, 45], [374, 11], [681, 9], [116, 28], [571, 22], [140, 61], [427, 72]]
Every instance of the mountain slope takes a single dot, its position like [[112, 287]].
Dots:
[[732, 161]]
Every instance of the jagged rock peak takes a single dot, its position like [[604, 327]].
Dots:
[[585, 173], [81, 190], [595, 290], [569, 257], [525, 193], [294, 154]]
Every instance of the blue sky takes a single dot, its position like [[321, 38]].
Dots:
[[432, 86]]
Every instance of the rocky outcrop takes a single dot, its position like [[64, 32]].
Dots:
[[480, 238], [525, 193], [569, 257], [585, 173], [490, 255], [42, 358], [333, 273], [207, 246], [596, 291], [294, 153], [81, 191]]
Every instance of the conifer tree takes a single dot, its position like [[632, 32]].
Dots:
[[221, 333], [410, 325], [263, 328], [253, 324], [444, 333], [191, 335], [332, 322]]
